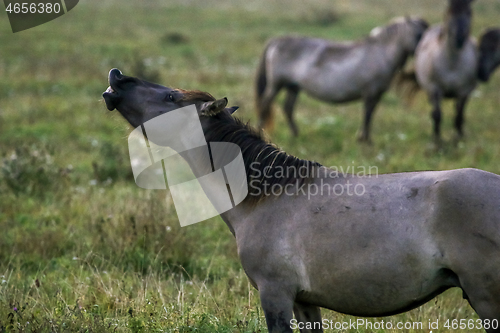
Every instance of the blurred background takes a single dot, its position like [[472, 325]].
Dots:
[[82, 248]]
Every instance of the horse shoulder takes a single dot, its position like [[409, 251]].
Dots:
[[268, 248]]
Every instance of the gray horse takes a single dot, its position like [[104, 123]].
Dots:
[[335, 72], [309, 237], [446, 63], [489, 53]]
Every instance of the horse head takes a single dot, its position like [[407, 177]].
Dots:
[[489, 53], [405, 31], [458, 21], [139, 101], [417, 28]]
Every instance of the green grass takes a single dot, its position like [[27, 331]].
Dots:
[[84, 249]]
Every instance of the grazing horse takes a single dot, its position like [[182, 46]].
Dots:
[[309, 237], [489, 53], [335, 72], [446, 63]]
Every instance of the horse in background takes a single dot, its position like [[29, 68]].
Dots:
[[335, 72], [489, 53], [446, 63]]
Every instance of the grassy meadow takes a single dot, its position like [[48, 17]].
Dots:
[[83, 249]]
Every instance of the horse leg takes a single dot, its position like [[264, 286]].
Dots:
[[435, 100], [265, 112], [304, 314], [484, 298], [291, 96], [369, 103], [278, 307], [459, 118]]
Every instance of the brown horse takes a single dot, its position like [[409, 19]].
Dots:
[[446, 63], [309, 237], [335, 72]]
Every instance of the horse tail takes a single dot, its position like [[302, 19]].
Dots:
[[407, 85], [261, 77], [265, 120]]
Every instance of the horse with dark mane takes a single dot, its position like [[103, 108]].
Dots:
[[335, 72], [446, 63], [489, 53], [361, 245]]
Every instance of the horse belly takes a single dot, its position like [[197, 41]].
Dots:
[[378, 291], [333, 93], [378, 257], [336, 86], [386, 275]]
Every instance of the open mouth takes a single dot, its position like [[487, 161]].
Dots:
[[111, 97], [110, 90]]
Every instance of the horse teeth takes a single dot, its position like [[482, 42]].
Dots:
[[110, 90]]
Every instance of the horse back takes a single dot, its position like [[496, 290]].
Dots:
[[330, 71], [290, 51]]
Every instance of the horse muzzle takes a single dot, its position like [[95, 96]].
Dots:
[[111, 95]]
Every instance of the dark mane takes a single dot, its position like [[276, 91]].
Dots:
[[457, 7], [489, 40], [197, 95], [387, 32], [262, 160], [489, 46], [384, 33]]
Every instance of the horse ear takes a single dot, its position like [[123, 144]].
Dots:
[[212, 108], [233, 109]]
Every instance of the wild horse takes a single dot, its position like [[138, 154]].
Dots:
[[335, 72], [446, 63], [361, 245]]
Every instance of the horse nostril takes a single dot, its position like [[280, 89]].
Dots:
[[115, 73]]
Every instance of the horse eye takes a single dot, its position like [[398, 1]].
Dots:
[[170, 97]]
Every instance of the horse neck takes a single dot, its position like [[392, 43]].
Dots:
[[450, 39], [394, 52], [451, 51], [200, 164], [260, 158]]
